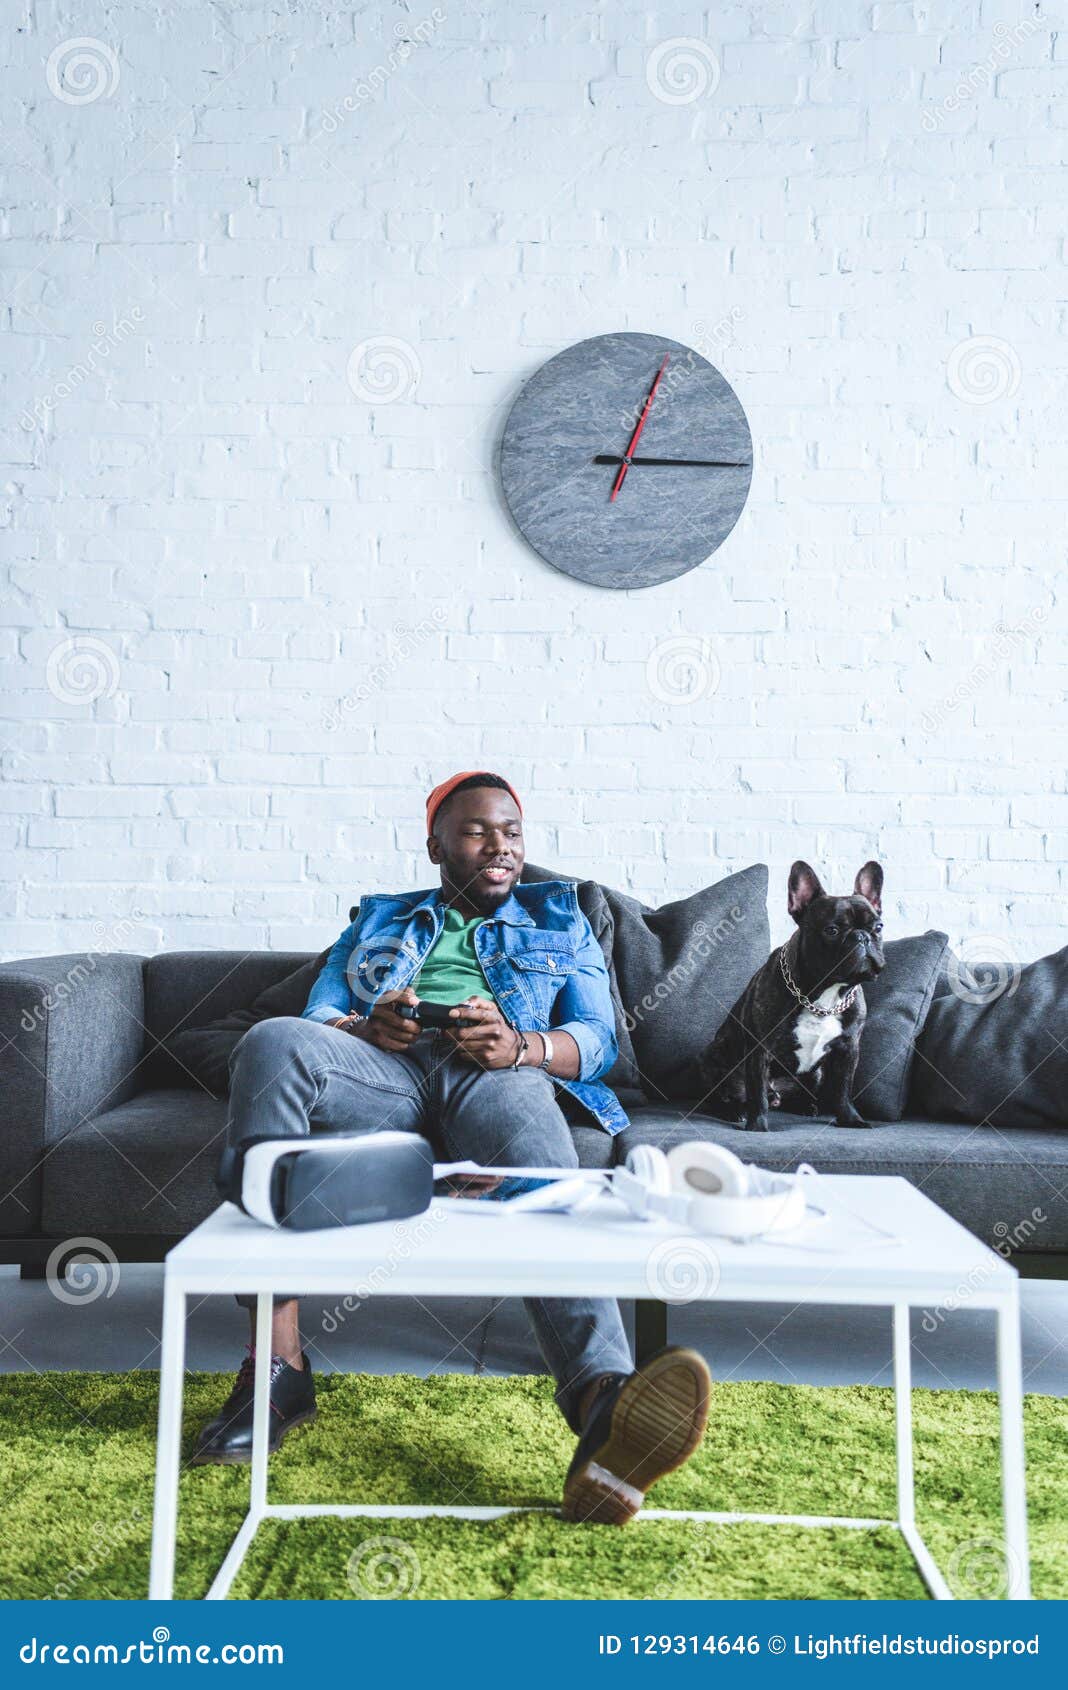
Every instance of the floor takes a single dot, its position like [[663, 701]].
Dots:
[[113, 1324]]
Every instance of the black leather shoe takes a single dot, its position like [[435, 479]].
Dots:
[[639, 1427], [228, 1438]]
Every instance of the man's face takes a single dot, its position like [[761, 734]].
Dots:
[[478, 843]]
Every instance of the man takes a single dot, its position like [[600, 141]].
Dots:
[[522, 964]]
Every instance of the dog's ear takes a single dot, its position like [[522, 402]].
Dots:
[[804, 885], [869, 883]]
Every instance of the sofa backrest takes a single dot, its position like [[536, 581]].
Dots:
[[191, 988]]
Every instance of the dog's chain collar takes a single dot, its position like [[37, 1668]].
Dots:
[[814, 1008]]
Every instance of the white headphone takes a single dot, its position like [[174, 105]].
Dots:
[[708, 1188]]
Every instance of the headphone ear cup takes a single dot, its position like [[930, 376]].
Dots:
[[701, 1169], [648, 1164]]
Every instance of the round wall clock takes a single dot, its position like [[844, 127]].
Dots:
[[626, 460]]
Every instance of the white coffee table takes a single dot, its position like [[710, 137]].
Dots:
[[929, 1261]]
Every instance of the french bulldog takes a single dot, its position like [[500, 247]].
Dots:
[[796, 1028]]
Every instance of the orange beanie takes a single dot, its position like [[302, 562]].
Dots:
[[440, 793]]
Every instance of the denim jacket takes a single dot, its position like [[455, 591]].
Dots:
[[539, 955]]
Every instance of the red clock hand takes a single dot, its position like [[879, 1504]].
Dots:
[[636, 436]]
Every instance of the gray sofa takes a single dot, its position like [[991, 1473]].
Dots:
[[104, 1134]]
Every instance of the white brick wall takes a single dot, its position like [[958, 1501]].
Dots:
[[293, 609]]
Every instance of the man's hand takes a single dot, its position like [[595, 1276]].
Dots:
[[468, 1185], [386, 1029], [489, 1042]]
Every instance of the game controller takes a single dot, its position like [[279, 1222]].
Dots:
[[433, 1015]]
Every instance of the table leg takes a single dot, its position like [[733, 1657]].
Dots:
[[168, 1443], [1013, 1474], [650, 1328], [906, 1492], [906, 1483], [261, 1402]]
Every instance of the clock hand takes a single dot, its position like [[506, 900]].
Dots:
[[636, 436], [697, 463]]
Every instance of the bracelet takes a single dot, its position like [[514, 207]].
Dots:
[[548, 1056], [524, 1046]]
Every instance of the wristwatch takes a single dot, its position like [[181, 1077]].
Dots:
[[547, 1058]]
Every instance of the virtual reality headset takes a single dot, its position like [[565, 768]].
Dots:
[[328, 1180]]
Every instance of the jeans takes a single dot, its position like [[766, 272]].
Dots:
[[289, 1076]]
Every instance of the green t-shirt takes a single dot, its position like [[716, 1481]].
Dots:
[[451, 971]]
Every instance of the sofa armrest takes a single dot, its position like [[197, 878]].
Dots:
[[72, 1038]]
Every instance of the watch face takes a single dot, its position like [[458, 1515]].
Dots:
[[588, 403]]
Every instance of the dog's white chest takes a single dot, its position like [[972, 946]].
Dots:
[[815, 1032]]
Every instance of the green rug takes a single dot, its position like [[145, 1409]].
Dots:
[[79, 1452]]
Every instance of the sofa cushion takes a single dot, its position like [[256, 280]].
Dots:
[[898, 1003], [148, 1167], [993, 1048], [1010, 1190], [200, 1054], [596, 1148], [145, 1167], [681, 968]]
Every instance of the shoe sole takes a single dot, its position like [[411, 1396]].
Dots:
[[245, 1460], [658, 1421]]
